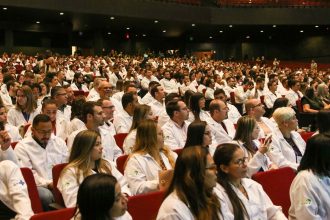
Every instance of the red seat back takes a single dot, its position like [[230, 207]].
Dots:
[[276, 184], [306, 135], [56, 171], [62, 214], [121, 161], [145, 206], [32, 190], [178, 151], [119, 138]]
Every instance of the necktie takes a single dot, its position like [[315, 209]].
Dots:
[[224, 127]]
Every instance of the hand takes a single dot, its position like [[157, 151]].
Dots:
[[50, 186], [4, 140], [265, 145]]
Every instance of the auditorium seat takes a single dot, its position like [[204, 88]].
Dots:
[[121, 161], [32, 190], [56, 171], [63, 214], [119, 138], [276, 184], [145, 206]]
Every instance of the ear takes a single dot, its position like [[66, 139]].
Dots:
[[224, 168], [89, 116]]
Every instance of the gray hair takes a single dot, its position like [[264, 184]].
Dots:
[[283, 114]]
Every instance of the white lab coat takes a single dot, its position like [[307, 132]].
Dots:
[[66, 114], [219, 135], [93, 95], [281, 152], [293, 97], [75, 124], [68, 183], [16, 118], [110, 149], [13, 190], [7, 102], [13, 132], [41, 161], [258, 206], [175, 136], [269, 124], [123, 122], [203, 115], [129, 142], [310, 197], [170, 86], [157, 108], [270, 98], [173, 208], [75, 88], [141, 172], [147, 99], [233, 113]]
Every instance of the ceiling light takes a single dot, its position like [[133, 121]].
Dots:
[[230, 26], [112, 18], [61, 13], [210, 37], [247, 37], [38, 22], [109, 33], [4, 8], [164, 31], [220, 31], [301, 31], [127, 28], [193, 25], [316, 26], [144, 35], [156, 21], [274, 26], [261, 31]]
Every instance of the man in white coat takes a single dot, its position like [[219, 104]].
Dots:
[[222, 129], [93, 118], [58, 93], [14, 198], [40, 152], [175, 130]]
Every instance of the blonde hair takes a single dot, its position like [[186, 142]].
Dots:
[[80, 156], [146, 141], [283, 114]]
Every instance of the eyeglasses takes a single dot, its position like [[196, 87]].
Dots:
[[241, 162], [260, 104], [109, 107], [212, 167], [43, 131]]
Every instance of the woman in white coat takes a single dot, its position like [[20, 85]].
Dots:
[[310, 190], [256, 153], [149, 157], [14, 198], [141, 112], [25, 109], [287, 146], [190, 195], [85, 160], [244, 197], [60, 126]]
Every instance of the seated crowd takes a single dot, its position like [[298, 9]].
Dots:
[[198, 129]]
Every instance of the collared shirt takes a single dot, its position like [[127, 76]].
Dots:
[[123, 122], [175, 135]]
